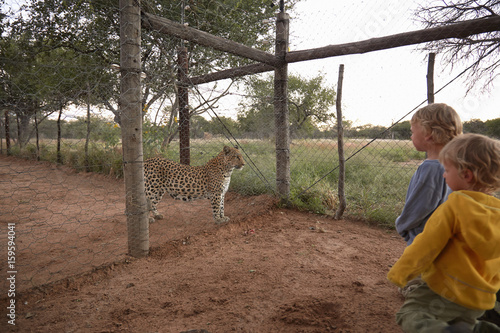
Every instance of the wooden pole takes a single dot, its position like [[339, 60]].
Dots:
[[131, 124], [456, 30], [184, 118], [340, 140], [281, 110], [430, 78], [267, 62], [165, 26], [231, 73]]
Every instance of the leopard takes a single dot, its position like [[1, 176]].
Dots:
[[188, 183]]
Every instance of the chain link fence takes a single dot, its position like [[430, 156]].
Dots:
[[206, 80]]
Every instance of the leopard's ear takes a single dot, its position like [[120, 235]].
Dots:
[[227, 150]]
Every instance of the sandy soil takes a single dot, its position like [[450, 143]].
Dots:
[[268, 270]]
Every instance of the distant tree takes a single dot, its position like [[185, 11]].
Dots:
[[222, 125], [369, 131], [475, 126], [402, 131], [310, 101], [493, 127], [309, 104], [19, 93], [199, 126], [42, 73], [481, 50]]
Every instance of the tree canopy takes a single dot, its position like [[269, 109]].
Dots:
[[309, 100], [63, 50], [482, 50]]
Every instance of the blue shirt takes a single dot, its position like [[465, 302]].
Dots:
[[427, 190]]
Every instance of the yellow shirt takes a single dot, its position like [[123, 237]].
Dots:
[[458, 253]]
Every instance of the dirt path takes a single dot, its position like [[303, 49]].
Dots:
[[267, 270]]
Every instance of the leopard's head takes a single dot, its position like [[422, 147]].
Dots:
[[233, 157]]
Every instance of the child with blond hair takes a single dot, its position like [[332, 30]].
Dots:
[[457, 254], [432, 126]]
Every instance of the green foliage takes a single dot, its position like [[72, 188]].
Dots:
[[369, 131], [475, 126], [493, 127], [246, 182], [47, 62], [101, 159], [222, 126], [309, 106], [152, 138], [402, 131], [57, 52], [101, 129], [489, 127], [319, 199]]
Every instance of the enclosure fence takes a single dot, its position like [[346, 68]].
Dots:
[[82, 113]]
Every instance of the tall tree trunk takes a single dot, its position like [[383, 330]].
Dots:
[[7, 132], [58, 154], [37, 140], [18, 131], [87, 138], [23, 123], [184, 117]]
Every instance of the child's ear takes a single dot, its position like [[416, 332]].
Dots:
[[468, 175]]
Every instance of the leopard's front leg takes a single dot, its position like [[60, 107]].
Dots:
[[217, 202], [153, 196]]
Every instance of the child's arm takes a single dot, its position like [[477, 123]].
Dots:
[[419, 256], [426, 192], [420, 203]]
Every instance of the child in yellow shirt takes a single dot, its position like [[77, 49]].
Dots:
[[458, 252]]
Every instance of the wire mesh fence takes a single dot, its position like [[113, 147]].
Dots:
[[62, 122]]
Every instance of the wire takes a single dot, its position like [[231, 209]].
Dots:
[[390, 127], [230, 136]]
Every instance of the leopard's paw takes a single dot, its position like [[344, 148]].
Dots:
[[221, 220], [158, 217]]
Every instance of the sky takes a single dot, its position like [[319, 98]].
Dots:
[[380, 87]]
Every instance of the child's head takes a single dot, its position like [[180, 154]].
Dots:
[[440, 121], [472, 162]]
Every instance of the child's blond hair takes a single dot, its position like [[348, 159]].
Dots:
[[440, 120], [479, 154]]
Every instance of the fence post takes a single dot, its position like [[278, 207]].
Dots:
[[430, 78], [340, 130], [281, 109], [183, 97], [131, 124]]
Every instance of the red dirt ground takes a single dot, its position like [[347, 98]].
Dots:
[[268, 270]]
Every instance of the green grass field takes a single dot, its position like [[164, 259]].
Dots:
[[376, 176]]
